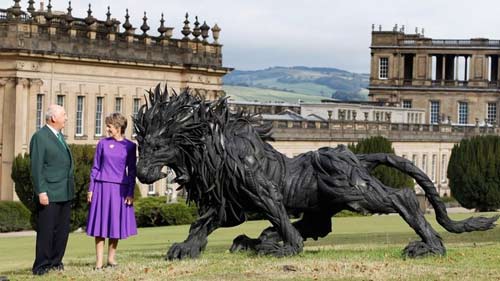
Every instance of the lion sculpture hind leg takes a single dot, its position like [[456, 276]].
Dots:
[[346, 179], [313, 225], [264, 195], [406, 204], [377, 198]]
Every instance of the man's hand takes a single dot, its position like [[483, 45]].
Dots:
[[43, 198], [89, 197]]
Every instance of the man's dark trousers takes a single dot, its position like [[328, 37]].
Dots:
[[53, 225]]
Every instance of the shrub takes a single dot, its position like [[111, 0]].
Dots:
[[137, 192], [21, 175], [474, 173], [14, 216], [84, 159], [155, 211]]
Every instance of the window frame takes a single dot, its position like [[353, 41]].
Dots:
[[491, 115], [383, 68], [118, 104], [434, 116], [99, 111], [39, 111], [463, 113], [406, 102], [79, 116]]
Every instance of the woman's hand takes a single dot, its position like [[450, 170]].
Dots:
[[129, 200], [89, 197]]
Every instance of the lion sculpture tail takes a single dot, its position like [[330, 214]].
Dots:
[[470, 224]]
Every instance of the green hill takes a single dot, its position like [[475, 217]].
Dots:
[[315, 82], [240, 93]]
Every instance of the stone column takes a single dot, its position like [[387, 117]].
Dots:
[[3, 82], [8, 93], [443, 70], [466, 71], [21, 116]]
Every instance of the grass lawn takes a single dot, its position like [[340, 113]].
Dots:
[[360, 248]]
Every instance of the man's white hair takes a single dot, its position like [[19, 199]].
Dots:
[[52, 110]]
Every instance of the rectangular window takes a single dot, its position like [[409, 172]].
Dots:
[[443, 168], [433, 167], [463, 112], [39, 111], [151, 189], [60, 100], [79, 116], [434, 112], [492, 113], [383, 68], [407, 104], [414, 159], [424, 163], [135, 109], [118, 105], [98, 116]]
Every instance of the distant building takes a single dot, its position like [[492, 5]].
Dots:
[[92, 68], [455, 81], [332, 110], [363, 111], [257, 107]]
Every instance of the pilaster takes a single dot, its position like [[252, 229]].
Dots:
[[21, 116], [8, 131]]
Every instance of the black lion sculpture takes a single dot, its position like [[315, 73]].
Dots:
[[227, 169]]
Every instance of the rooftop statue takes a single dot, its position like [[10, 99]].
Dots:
[[228, 169]]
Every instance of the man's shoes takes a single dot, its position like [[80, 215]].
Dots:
[[41, 271], [112, 265], [58, 267]]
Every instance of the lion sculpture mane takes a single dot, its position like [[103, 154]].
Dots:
[[228, 170]]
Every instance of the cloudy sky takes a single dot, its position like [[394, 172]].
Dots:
[[257, 34]]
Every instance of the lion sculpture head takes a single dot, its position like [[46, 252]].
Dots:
[[186, 133]]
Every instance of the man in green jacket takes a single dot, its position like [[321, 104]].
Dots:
[[53, 181]]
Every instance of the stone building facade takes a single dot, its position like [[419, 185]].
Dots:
[[455, 81], [93, 68]]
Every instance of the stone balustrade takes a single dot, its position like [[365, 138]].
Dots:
[[354, 131], [47, 33]]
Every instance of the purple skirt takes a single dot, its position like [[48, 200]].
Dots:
[[109, 216]]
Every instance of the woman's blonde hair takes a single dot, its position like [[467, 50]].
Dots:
[[117, 120]]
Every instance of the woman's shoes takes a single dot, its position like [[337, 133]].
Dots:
[[111, 265]]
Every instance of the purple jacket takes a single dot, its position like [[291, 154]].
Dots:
[[114, 161]]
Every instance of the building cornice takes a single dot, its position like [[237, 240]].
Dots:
[[434, 89], [469, 48], [123, 63]]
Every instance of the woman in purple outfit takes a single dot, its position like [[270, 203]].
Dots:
[[111, 190]]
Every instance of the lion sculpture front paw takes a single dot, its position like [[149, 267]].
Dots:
[[185, 250]]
